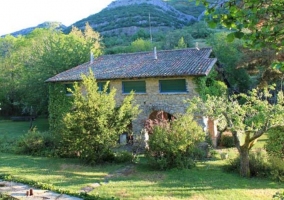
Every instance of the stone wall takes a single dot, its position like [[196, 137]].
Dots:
[[153, 100]]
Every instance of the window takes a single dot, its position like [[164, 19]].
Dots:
[[136, 86], [70, 86], [101, 86], [173, 85]]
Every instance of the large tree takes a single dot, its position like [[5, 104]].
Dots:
[[248, 117], [26, 62], [260, 23]]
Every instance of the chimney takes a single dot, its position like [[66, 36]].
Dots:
[[91, 57], [155, 53]]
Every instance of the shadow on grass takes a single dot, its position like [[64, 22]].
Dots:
[[206, 181]]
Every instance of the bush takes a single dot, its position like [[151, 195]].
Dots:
[[227, 140], [7, 144], [277, 168], [36, 143], [279, 195], [259, 165], [93, 126], [275, 143], [173, 144], [123, 157]]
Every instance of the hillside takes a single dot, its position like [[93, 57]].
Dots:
[[26, 31], [125, 16]]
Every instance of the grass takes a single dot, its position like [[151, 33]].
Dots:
[[10, 131], [133, 181], [206, 181], [15, 129]]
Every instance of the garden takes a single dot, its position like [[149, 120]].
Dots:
[[172, 166]]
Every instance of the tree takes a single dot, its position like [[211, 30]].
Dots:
[[140, 45], [11, 56], [94, 124], [259, 23], [181, 44], [51, 52], [248, 117], [173, 37], [229, 56]]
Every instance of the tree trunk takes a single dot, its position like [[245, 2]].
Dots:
[[244, 158]]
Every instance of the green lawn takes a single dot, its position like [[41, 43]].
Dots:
[[15, 129], [10, 131], [206, 181]]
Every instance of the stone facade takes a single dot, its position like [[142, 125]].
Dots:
[[153, 100]]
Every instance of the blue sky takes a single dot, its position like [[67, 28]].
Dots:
[[19, 14]]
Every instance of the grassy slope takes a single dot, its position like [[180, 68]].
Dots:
[[206, 181]]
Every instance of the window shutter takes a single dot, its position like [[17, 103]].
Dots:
[[136, 86], [174, 85]]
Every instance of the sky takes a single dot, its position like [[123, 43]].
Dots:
[[19, 14]]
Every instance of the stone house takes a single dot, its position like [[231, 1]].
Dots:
[[161, 80]]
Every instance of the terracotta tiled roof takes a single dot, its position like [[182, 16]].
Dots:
[[170, 63]]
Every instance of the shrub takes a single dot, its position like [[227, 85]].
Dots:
[[173, 144], [279, 195], [277, 168], [259, 165], [93, 126], [275, 143], [227, 140], [7, 144], [36, 143], [123, 157]]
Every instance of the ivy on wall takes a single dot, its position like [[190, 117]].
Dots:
[[59, 104], [210, 85]]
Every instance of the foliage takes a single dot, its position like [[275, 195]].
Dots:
[[26, 62], [173, 144], [210, 85], [258, 164], [279, 195], [95, 122], [277, 168], [140, 45], [36, 143], [275, 142], [247, 115], [173, 37], [181, 44], [227, 140], [123, 157], [200, 30], [229, 55], [259, 23]]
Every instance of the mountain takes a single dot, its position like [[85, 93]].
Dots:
[[128, 16], [26, 31]]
